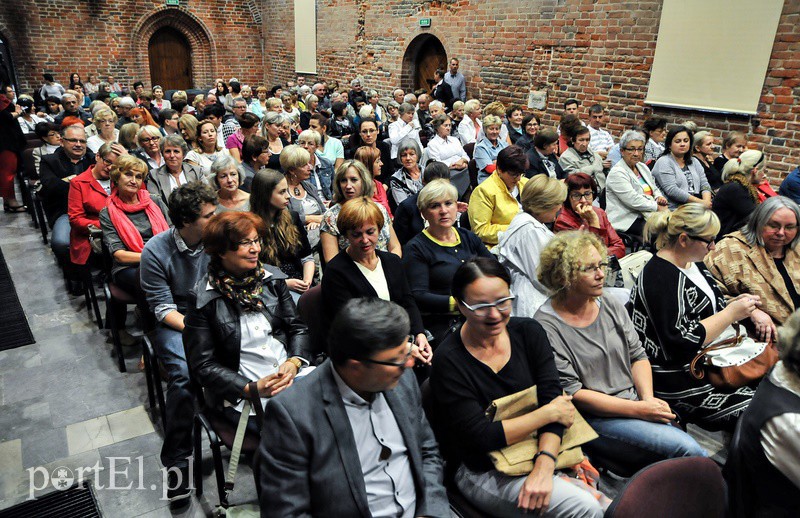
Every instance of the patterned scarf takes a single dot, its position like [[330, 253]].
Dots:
[[245, 292], [744, 182]]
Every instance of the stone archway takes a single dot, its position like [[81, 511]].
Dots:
[[423, 56], [200, 41]]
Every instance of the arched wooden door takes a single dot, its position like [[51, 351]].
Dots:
[[170, 60], [423, 56]]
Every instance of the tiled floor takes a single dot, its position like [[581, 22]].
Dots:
[[64, 404]]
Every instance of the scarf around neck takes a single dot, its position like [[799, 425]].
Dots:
[[246, 292], [130, 236]]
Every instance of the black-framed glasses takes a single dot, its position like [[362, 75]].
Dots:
[[502, 305], [150, 139], [591, 268], [75, 140], [251, 242], [578, 196], [107, 162], [392, 364], [708, 242], [634, 149]]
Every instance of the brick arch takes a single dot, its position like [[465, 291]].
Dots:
[[204, 54], [417, 43]]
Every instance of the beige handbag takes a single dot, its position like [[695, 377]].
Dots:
[[517, 459]]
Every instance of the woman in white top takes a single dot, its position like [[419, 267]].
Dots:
[[205, 149], [470, 126], [444, 148], [105, 120], [158, 99], [527, 235]]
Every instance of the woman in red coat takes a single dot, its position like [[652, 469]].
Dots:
[[579, 213], [88, 193]]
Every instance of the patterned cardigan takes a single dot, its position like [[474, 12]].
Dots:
[[740, 268]]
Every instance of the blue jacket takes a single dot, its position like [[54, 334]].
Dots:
[[325, 173], [791, 186]]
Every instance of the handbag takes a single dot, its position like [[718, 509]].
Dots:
[[734, 361], [517, 459], [631, 266]]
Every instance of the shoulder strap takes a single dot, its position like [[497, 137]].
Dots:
[[253, 401]]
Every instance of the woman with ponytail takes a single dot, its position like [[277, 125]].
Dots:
[[739, 195]]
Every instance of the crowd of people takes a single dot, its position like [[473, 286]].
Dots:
[[455, 244]]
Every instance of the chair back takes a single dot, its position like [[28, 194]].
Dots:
[[310, 309], [473, 173], [28, 165], [469, 149], [689, 487]]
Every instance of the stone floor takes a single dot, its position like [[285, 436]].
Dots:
[[64, 404]]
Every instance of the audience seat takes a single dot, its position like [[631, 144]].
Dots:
[[309, 307], [469, 149], [687, 487], [152, 374]]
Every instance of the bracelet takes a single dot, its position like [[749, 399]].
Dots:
[[546, 454]]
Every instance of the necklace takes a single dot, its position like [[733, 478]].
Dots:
[[297, 191]]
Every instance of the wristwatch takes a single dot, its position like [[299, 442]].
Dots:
[[297, 362]]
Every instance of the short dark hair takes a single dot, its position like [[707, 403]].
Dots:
[[434, 170], [512, 159], [275, 89], [43, 128], [338, 108], [511, 109], [596, 108], [654, 123], [165, 115], [323, 120], [138, 83], [247, 120], [358, 98], [545, 137], [571, 101], [179, 105], [253, 146], [235, 87], [365, 326], [472, 270], [186, 201], [52, 99], [217, 110], [687, 157]]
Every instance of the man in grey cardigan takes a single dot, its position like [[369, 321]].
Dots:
[[171, 264]]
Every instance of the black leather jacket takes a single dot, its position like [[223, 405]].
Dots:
[[212, 337]]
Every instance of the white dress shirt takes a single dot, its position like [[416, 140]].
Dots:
[[448, 151]]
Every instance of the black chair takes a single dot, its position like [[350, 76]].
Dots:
[[28, 176], [633, 243], [469, 149], [36, 199], [309, 307], [117, 302], [152, 374], [83, 273]]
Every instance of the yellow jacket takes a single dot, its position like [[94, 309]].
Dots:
[[491, 208]]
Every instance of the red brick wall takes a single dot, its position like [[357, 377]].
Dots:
[[65, 36], [593, 50]]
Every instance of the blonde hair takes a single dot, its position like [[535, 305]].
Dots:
[[127, 163], [438, 189], [127, 135], [189, 124], [367, 183], [358, 212], [106, 113], [495, 108], [293, 157], [562, 258], [458, 105], [151, 131], [663, 228], [747, 161], [542, 193], [492, 120], [471, 106]]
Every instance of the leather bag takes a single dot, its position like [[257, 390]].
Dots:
[[734, 362]]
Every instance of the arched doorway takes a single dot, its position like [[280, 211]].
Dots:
[[170, 59], [423, 56]]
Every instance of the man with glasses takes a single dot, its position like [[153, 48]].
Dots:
[[71, 109], [169, 121], [231, 124], [56, 171], [351, 439]]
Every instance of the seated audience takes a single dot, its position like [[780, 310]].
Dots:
[[761, 259], [127, 136], [677, 309], [679, 176], [407, 180], [495, 202], [403, 129], [514, 118], [352, 180], [600, 358], [703, 149], [396, 473], [131, 217], [285, 242], [248, 126], [187, 126], [580, 213], [738, 197], [656, 130], [27, 117], [491, 356], [733, 145], [520, 246], [329, 148], [488, 147], [55, 171], [226, 178], [408, 221], [175, 172], [469, 129], [631, 191], [50, 135], [530, 125], [271, 130], [541, 154], [305, 198], [142, 117], [255, 156], [361, 270], [341, 126], [762, 473], [601, 140], [88, 195], [171, 264], [371, 158], [149, 140], [431, 258], [579, 158], [366, 135], [241, 325], [205, 150], [447, 149], [321, 169], [105, 121]]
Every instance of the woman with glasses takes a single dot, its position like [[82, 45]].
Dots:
[[520, 246], [679, 176], [241, 322], [677, 309], [149, 140], [530, 126], [362, 270], [490, 356], [738, 196], [761, 259], [600, 359], [579, 213], [631, 191], [578, 157], [105, 120], [495, 202]]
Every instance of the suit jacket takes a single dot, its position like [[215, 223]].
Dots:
[[309, 463], [85, 201], [443, 93], [53, 169], [536, 165], [158, 180], [344, 281]]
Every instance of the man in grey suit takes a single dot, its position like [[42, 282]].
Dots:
[[351, 438]]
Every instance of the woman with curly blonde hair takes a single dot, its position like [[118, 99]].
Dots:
[[601, 361]]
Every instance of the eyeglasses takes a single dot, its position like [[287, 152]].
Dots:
[[776, 227], [502, 305], [634, 149], [75, 140], [258, 242], [392, 364], [578, 196], [591, 268], [149, 139], [107, 162], [708, 242]]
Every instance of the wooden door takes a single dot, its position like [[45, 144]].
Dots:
[[430, 57], [170, 60]]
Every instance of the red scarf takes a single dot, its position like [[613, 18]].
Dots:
[[125, 227]]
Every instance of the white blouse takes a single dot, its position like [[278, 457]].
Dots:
[[449, 150]]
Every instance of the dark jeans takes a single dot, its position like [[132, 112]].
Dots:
[[168, 346]]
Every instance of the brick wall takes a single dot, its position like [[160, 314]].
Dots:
[[65, 36], [593, 50]]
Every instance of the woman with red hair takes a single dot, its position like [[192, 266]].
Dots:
[[142, 117], [579, 213], [371, 158]]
